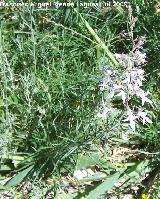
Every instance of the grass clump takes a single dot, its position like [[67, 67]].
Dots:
[[52, 64]]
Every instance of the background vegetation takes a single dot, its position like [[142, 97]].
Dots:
[[50, 69]]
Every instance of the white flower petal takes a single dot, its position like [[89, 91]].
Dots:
[[132, 124], [148, 120], [131, 118], [145, 99], [110, 95], [123, 95], [144, 117]]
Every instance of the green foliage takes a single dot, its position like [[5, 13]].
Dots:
[[104, 187], [19, 177], [50, 71]]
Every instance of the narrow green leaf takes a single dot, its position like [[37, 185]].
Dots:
[[67, 14], [87, 160], [100, 42], [2, 187], [4, 168], [19, 177], [67, 196], [104, 186], [13, 157], [1, 102]]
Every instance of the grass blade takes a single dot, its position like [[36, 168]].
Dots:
[[104, 186], [19, 177]]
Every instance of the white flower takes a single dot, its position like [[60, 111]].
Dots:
[[13, 17], [138, 82], [107, 71], [131, 118], [123, 95], [140, 42], [106, 80], [131, 89], [140, 93], [125, 136], [145, 99], [139, 57], [123, 59], [144, 117], [104, 113], [127, 84], [140, 72], [117, 86], [111, 94], [126, 80]]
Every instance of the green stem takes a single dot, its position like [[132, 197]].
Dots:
[[100, 42]]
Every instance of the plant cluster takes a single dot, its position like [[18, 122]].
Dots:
[[79, 102]]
